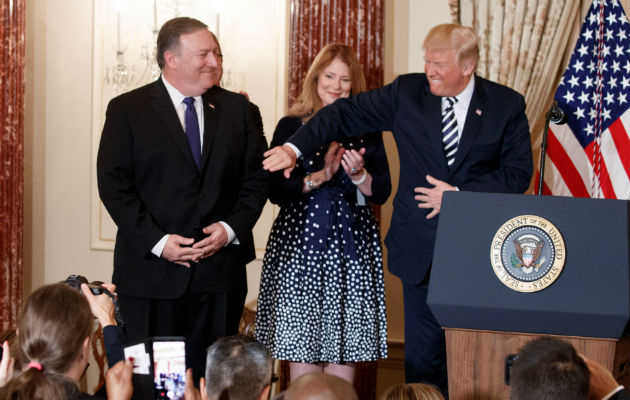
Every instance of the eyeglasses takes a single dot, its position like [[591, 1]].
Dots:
[[509, 361]]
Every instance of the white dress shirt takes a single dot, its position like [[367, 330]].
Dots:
[[180, 107], [461, 106]]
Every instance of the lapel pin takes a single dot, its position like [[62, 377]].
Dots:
[[211, 105], [478, 112]]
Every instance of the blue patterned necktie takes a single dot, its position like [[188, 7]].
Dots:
[[192, 129], [449, 130]]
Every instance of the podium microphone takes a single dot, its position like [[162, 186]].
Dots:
[[558, 117]]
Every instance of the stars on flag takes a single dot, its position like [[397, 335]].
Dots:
[[578, 94]]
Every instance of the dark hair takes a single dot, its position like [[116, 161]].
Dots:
[[237, 368], [168, 37], [52, 328], [549, 368]]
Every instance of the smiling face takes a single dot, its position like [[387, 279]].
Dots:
[[192, 66], [334, 82], [447, 76]]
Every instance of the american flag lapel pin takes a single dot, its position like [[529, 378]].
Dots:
[[478, 112]]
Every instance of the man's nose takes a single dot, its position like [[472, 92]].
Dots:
[[212, 60]]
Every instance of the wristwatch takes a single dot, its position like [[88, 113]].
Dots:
[[309, 182]]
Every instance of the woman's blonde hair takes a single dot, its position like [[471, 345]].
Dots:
[[308, 102], [413, 391]]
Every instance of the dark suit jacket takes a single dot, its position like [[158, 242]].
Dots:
[[621, 395], [150, 185], [494, 153]]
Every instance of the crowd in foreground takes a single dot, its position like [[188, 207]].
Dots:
[[50, 355]]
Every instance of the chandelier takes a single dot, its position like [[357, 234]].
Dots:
[[126, 74]]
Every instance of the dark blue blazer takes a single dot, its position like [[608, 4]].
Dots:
[[494, 153], [151, 186]]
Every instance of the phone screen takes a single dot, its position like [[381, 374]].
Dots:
[[169, 369]]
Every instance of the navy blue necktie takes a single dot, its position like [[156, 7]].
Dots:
[[192, 129]]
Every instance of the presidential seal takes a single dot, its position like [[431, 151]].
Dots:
[[527, 253]]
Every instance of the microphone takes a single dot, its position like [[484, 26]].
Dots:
[[556, 115]]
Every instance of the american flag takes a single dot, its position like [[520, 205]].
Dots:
[[590, 155]]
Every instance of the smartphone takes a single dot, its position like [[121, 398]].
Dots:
[[169, 367]]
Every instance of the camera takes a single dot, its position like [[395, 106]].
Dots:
[[96, 287]]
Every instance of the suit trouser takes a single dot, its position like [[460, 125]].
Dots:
[[201, 317], [425, 347]]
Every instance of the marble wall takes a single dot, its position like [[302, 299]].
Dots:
[[313, 24], [12, 19]]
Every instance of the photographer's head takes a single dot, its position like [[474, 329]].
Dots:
[[238, 368], [54, 332], [546, 369]]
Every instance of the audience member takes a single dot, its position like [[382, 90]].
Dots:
[[118, 381], [7, 363], [320, 386], [54, 332], [413, 391], [551, 369], [603, 385], [237, 368], [548, 368]]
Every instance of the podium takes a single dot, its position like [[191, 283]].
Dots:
[[485, 319]]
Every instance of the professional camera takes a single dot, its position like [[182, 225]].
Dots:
[[96, 287]]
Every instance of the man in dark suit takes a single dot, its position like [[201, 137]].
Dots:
[[454, 131], [179, 170]]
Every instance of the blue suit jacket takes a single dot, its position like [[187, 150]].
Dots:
[[494, 153]]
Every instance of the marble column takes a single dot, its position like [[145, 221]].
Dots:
[[12, 70]]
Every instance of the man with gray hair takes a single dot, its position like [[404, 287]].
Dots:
[[237, 368]]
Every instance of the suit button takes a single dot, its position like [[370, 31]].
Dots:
[[200, 196]]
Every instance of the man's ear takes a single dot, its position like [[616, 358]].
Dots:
[[264, 395], [85, 349], [469, 67], [170, 58]]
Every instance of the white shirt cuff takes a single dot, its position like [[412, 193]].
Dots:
[[230, 232], [297, 151], [159, 247], [609, 395]]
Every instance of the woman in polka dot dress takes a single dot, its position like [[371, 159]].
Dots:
[[322, 300]]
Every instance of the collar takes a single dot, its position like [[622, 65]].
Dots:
[[463, 99], [176, 96]]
